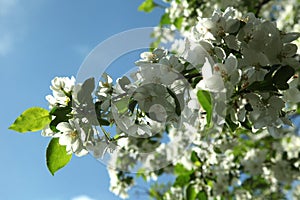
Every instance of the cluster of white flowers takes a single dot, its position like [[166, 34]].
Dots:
[[141, 106], [244, 73], [68, 130], [253, 161], [73, 113], [181, 15], [216, 110], [118, 187], [72, 136], [62, 88], [222, 49]]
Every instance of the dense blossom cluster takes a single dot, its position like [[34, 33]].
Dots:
[[248, 138], [215, 110], [254, 97], [182, 15]]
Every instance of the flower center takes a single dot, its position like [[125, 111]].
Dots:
[[106, 85], [74, 134]]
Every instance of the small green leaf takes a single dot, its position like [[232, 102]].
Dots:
[[100, 120], [103, 122], [282, 76], [263, 86], [246, 124], [122, 104], [132, 104], [204, 99], [191, 193], [178, 22], [232, 126], [289, 37], [56, 156], [179, 169], [217, 150], [61, 115], [165, 19], [194, 157], [210, 183], [182, 180], [202, 195], [60, 111], [147, 6], [141, 173], [32, 119]]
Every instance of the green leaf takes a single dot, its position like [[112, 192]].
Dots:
[[210, 183], [103, 122], [147, 6], [282, 76], [182, 180], [62, 114], [195, 159], [204, 99], [122, 104], [155, 44], [100, 120], [179, 169], [132, 104], [263, 86], [165, 19], [289, 37], [56, 156], [142, 173], [217, 150], [275, 79], [191, 193], [178, 22], [232, 126], [60, 111], [32, 119], [202, 195], [246, 124]]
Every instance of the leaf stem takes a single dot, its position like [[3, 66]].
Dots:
[[119, 137], [108, 138]]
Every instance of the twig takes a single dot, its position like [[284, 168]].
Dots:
[[259, 7]]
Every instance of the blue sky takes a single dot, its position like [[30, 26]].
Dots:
[[38, 41]]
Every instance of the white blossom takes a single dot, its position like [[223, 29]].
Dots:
[[105, 86], [61, 88], [253, 161], [291, 145], [117, 187], [72, 136]]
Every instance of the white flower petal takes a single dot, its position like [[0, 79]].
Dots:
[[64, 127]]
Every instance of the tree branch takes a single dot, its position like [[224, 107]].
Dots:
[[259, 7]]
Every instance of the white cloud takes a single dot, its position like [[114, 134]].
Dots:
[[82, 197]]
